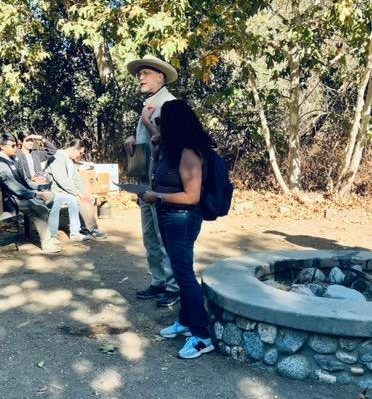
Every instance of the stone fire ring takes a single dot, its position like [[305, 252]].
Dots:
[[233, 284]]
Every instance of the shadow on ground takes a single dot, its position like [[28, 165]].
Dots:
[[57, 311]]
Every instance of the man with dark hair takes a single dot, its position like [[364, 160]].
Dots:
[[66, 179], [18, 195], [153, 74], [30, 164]]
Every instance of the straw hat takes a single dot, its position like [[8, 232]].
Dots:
[[154, 62]]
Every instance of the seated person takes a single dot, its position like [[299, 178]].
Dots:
[[29, 162], [31, 202], [66, 179]]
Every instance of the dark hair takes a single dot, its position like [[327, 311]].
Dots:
[[22, 136], [4, 138], [180, 128], [76, 143]]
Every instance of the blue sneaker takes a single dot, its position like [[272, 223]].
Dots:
[[195, 346], [174, 330]]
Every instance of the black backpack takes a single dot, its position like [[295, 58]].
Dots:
[[218, 189]]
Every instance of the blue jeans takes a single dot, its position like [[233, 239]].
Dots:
[[73, 213], [179, 230], [157, 258]]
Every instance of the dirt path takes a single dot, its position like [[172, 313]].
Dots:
[[57, 311]]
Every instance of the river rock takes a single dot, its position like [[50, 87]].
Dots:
[[368, 365], [357, 370], [350, 277], [301, 289], [360, 285], [224, 349], [238, 353], [344, 378], [347, 357], [245, 324], [349, 344], [365, 351], [329, 363], [323, 376], [218, 330], [323, 343], [267, 332], [340, 292], [232, 335], [310, 275], [271, 357], [365, 382], [290, 341], [317, 289], [253, 346], [295, 366], [336, 276]]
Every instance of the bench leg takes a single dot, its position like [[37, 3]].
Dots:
[[27, 223]]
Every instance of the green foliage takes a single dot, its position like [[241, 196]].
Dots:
[[50, 80]]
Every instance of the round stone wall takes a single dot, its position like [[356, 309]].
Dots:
[[286, 332]]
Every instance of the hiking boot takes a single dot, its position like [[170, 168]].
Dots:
[[79, 237], [174, 330], [48, 247], [195, 347], [169, 298], [98, 234], [151, 292]]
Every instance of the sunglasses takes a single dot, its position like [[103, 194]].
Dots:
[[29, 139], [11, 145]]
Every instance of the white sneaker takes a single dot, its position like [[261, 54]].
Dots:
[[79, 237], [54, 241], [49, 248]]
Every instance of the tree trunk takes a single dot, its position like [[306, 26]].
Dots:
[[359, 145], [266, 131], [357, 129], [104, 63], [294, 158]]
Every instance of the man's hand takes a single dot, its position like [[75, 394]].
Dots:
[[34, 137], [147, 112], [45, 196], [85, 197], [129, 144], [39, 180]]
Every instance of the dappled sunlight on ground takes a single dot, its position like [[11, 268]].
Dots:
[[107, 382], [251, 388], [132, 346], [60, 310]]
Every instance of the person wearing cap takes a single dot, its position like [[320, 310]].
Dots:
[[153, 75]]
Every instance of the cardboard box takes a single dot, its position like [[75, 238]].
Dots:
[[89, 179], [112, 169], [103, 183]]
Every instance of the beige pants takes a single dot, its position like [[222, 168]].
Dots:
[[40, 220], [87, 212]]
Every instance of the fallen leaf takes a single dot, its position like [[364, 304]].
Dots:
[[107, 348]]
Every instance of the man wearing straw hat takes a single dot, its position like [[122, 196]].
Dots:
[[153, 74]]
